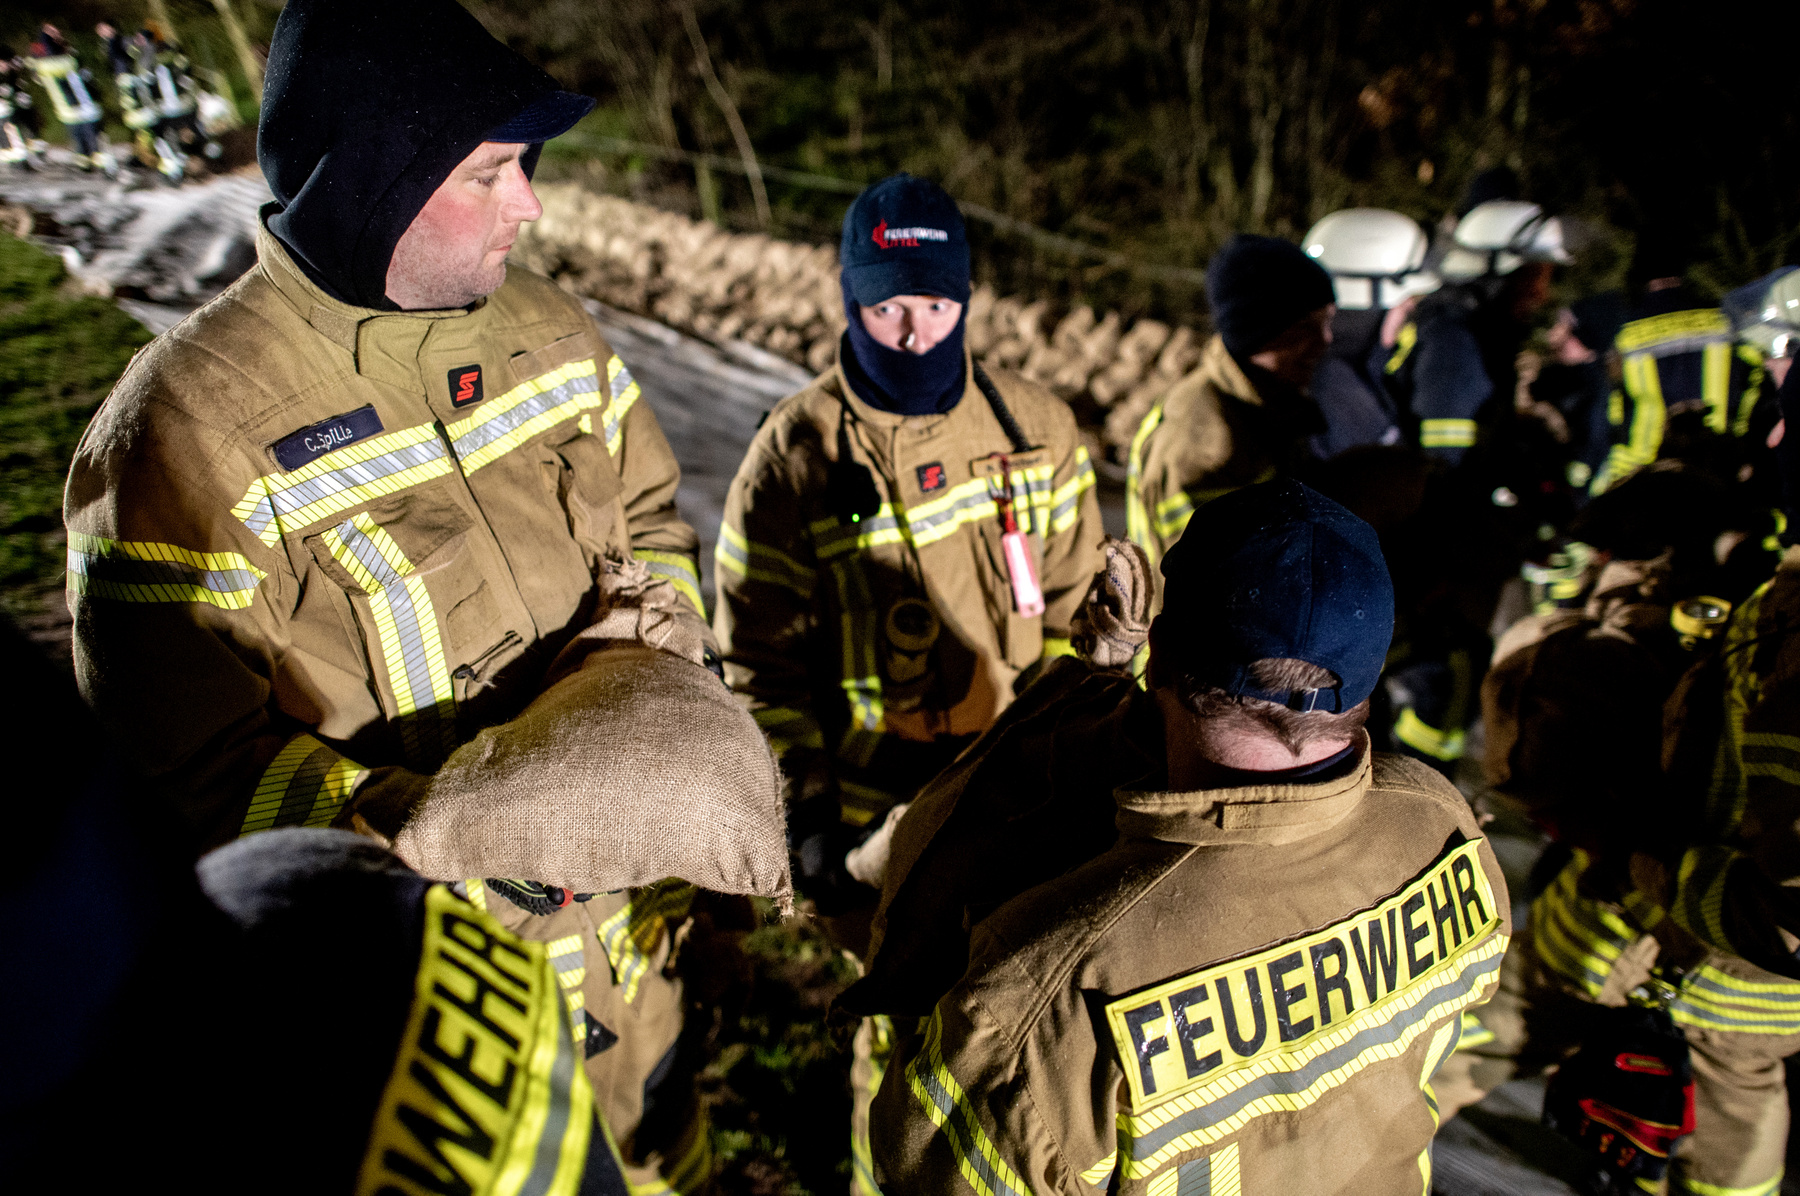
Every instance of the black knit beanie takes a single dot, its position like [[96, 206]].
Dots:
[[368, 106], [1258, 287]]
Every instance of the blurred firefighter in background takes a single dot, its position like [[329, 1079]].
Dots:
[[73, 97]]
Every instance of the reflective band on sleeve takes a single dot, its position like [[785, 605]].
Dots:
[[571, 969], [1700, 893], [306, 784], [1715, 386], [677, 568], [861, 678], [1446, 433], [503, 424], [625, 393], [1683, 1185], [759, 562], [633, 934], [487, 1096], [1474, 1034], [1714, 1000], [1100, 1174], [787, 729], [1404, 342], [1055, 646], [411, 645], [143, 571], [1255, 1039], [344, 478], [1172, 515], [954, 1115], [1421, 736], [1137, 518]]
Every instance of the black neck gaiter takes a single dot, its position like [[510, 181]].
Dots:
[[929, 383]]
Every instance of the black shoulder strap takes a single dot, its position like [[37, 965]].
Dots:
[[1010, 425]]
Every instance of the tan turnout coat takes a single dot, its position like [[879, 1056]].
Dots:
[[804, 594], [1249, 992]]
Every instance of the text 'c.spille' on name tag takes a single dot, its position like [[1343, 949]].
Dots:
[[309, 444]]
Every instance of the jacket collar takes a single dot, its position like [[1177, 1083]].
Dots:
[[1261, 814], [1221, 370], [385, 344]]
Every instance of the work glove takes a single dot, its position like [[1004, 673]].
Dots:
[[1625, 1098], [1113, 623]]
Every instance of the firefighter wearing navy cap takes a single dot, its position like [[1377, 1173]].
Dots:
[[906, 537], [1243, 415], [343, 517], [1249, 984]]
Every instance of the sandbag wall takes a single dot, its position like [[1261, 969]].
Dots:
[[784, 297]]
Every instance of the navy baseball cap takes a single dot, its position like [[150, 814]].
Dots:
[[904, 236], [1278, 571]]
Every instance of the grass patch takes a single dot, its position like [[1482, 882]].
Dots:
[[60, 354]]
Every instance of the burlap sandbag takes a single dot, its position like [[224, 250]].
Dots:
[[636, 766]]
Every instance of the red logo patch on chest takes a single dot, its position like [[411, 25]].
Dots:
[[465, 385], [932, 477]]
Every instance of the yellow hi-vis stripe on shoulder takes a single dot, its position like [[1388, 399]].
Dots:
[[1715, 386], [677, 568], [406, 623], [633, 934], [1675, 332], [144, 571], [487, 1096], [1137, 518], [502, 425], [952, 1112], [1421, 736], [1206, 1053], [1065, 502], [306, 784], [624, 391], [341, 479], [1446, 433]]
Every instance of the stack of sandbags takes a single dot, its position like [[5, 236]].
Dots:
[[785, 298]]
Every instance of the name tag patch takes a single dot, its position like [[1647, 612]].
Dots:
[[1332, 1001], [309, 444], [465, 386]]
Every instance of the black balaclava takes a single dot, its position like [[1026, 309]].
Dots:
[[368, 105], [928, 383]]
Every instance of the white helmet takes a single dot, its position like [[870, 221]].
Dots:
[[1504, 234], [1766, 314], [1362, 247]]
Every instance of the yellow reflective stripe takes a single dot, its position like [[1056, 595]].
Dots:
[[1578, 938], [1649, 412], [1700, 893], [1055, 646], [1216, 1174], [407, 626], [787, 728], [973, 502], [1446, 433], [571, 969], [1290, 1082], [495, 996], [1172, 515], [1753, 384], [692, 1163], [145, 571], [833, 539], [1715, 386], [1065, 503], [634, 933], [306, 784], [1473, 1033], [503, 424], [624, 392], [759, 562], [1100, 1174], [951, 1111], [477, 892], [677, 568], [343, 478], [859, 805], [1137, 518], [1674, 332], [859, 670], [1770, 754], [1404, 342], [1421, 736], [1679, 1184]]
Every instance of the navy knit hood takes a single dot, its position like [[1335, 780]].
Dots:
[[368, 105]]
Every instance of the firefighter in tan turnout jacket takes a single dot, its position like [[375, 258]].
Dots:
[[1243, 416], [1250, 989], [905, 538], [343, 516]]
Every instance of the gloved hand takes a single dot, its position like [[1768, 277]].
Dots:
[[1626, 1097]]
